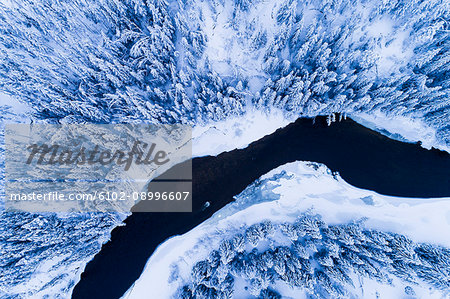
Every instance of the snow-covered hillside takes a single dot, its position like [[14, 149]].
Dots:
[[281, 197]]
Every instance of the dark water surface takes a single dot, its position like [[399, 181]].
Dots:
[[364, 158]]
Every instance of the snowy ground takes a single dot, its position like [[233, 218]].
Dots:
[[235, 132], [401, 128], [280, 196]]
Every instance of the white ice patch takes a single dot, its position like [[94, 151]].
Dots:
[[280, 196]]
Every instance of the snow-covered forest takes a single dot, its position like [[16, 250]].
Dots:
[[324, 261], [202, 62], [190, 61]]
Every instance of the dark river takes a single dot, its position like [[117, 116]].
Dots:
[[364, 158]]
